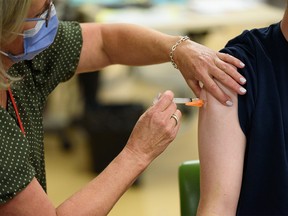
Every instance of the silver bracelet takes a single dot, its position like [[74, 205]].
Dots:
[[182, 39]]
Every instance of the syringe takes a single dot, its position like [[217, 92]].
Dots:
[[189, 101]]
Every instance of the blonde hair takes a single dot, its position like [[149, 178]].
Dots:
[[12, 16]]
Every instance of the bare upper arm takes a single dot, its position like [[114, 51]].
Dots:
[[221, 152], [92, 56], [29, 202]]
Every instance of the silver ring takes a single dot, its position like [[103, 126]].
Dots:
[[174, 116]]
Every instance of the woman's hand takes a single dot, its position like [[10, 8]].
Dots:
[[155, 129], [200, 65]]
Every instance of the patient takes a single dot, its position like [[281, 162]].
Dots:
[[243, 149]]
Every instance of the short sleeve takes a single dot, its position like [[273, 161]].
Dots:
[[16, 171], [243, 48], [59, 62]]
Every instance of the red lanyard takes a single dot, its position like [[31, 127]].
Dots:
[[16, 111]]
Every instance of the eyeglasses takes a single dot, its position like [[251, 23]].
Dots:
[[47, 17]]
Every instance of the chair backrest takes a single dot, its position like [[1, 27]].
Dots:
[[189, 187]]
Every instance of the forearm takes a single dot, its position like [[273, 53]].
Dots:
[[136, 45], [97, 198], [106, 44], [101, 194]]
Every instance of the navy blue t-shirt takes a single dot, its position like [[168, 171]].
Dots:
[[263, 116]]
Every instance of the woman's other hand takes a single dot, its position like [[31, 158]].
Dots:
[[199, 65]]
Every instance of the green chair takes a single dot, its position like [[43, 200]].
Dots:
[[189, 187]]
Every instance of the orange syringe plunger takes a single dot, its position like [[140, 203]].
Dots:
[[195, 102]]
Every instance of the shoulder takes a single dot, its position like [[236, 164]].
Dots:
[[70, 31], [59, 62], [252, 42], [68, 39]]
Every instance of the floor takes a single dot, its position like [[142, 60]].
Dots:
[[157, 193]]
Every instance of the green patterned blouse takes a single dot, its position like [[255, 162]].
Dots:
[[22, 158]]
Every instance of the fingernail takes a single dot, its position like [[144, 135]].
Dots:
[[242, 64], [243, 90], [243, 80], [229, 103], [156, 99]]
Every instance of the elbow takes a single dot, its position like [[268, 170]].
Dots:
[[224, 205]]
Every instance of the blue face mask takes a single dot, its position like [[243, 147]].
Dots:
[[39, 38]]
